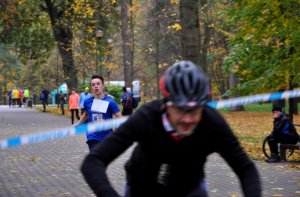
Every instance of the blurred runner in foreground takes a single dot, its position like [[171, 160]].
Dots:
[[174, 136]]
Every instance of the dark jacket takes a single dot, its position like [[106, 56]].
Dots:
[[283, 126], [185, 158]]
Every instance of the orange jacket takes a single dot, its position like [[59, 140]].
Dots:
[[73, 101]]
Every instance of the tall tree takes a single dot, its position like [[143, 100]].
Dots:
[[264, 51], [126, 45], [190, 33], [158, 41], [206, 35], [62, 29], [9, 69]]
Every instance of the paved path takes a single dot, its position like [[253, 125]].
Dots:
[[51, 168]]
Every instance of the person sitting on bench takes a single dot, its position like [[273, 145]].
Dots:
[[283, 132]]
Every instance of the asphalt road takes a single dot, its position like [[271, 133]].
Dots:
[[52, 168]]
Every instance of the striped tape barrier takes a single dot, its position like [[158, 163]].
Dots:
[[254, 99], [113, 123], [60, 133]]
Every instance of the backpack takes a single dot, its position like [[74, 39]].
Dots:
[[42, 96], [135, 102], [127, 102]]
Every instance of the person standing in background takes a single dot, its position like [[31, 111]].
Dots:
[[44, 98], [26, 96], [61, 101], [127, 102], [98, 108], [83, 96], [10, 98], [16, 97], [73, 105], [21, 92], [283, 132]]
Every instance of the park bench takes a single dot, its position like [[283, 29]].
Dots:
[[285, 150], [284, 147]]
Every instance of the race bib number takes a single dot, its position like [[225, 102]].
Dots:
[[97, 117], [99, 106]]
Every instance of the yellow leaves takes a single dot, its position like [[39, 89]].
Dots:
[[84, 9], [251, 128], [111, 66], [246, 71], [163, 65], [176, 27], [287, 42], [266, 41], [295, 166], [278, 43], [226, 33], [134, 8], [234, 194], [174, 2], [90, 30], [22, 2], [266, 11], [235, 69]]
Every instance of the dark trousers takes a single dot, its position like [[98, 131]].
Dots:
[[273, 141], [62, 108], [10, 102], [72, 114], [92, 144], [20, 102], [200, 191], [126, 112], [44, 105]]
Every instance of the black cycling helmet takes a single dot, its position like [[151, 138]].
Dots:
[[185, 85]]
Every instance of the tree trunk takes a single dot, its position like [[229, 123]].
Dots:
[[293, 109], [232, 83], [131, 43], [157, 45], [126, 45], [190, 32], [207, 34], [63, 36]]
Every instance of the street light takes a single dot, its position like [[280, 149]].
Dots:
[[99, 34]]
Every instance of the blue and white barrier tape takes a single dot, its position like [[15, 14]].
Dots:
[[254, 99], [113, 123], [51, 135]]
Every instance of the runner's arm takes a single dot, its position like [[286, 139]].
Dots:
[[83, 118], [118, 115], [229, 148], [241, 164], [95, 164]]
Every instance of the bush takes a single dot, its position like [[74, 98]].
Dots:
[[115, 91]]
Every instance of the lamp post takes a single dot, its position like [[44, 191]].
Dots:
[[99, 34]]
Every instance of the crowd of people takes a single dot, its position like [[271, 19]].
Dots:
[[28, 98], [18, 97]]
